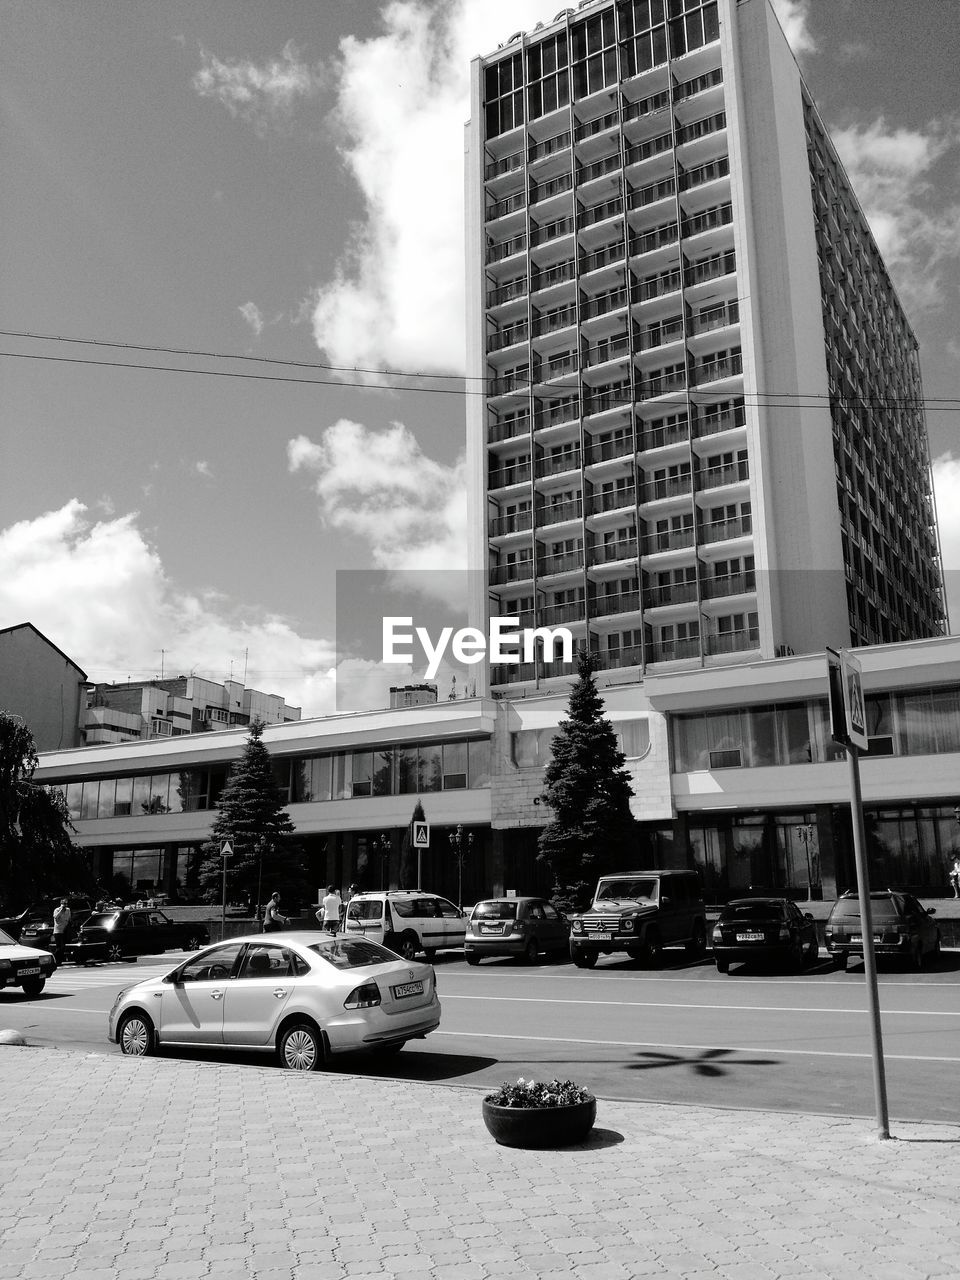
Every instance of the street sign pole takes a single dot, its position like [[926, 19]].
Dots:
[[848, 727], [421, 841], [225, 851]]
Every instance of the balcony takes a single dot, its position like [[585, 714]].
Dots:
[[507, 164], [516, 473], [588, 172], [559, 273], [509, 429], [519, 571], [651, 194], [711, 423], [552, 321], [557, 415], [670, 593], [673, 650], [549, 147], [558, 367], [662, 333], [649, 241], [661, 436], [645, 150], [701, 128], [608, 450], [552, 615], [712, 268], [668, 487], [556, 464], [667, 540], [730, 473], [733, 641], [546, 190], [617, 395], [729, 584], [497, 252], [606, 350], [656, 286], [500, 208], [713, 370], [563, 562], [508, 337], [614, 659], [559, 513], [516, 522], [603, 257], [516, 380], [590, 128], [612, 499], [709, 220], [704, 173], [724, 530], [555, 230], [604, 553], [718, 317], [664, 383], [604, 303], [599, 213], [605, 606]]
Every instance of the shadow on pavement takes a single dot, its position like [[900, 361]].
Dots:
[[423, 1066], [711, 1062]]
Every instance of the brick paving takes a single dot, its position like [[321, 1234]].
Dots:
[[171, 1169]]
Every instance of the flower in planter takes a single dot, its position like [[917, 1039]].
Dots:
[[539, 1093]]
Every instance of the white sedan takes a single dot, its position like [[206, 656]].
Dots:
[[303, 995], [25, 967]]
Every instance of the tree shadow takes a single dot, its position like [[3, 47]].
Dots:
[[711, 1062]]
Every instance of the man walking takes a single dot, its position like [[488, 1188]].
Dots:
[[61, 923], [273, 921], [332, 906]]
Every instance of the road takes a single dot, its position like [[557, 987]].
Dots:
[[683, 1034]]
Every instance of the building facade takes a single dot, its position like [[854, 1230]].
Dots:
[[702, 440], [734, 774], [39, 683], [169, 708]]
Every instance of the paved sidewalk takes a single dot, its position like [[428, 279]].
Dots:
[[169, 1169]]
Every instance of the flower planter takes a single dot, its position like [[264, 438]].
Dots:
[[540, 1126]]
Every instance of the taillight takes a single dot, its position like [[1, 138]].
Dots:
[[365, 997], [784, 933], [717, 933]]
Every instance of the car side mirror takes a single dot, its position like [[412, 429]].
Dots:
[[666, 901], [807, 915], [931, 911]]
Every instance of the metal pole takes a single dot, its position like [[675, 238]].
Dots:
[[223, 905], [869, 958]]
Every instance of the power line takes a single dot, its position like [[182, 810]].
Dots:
[[768, 399]]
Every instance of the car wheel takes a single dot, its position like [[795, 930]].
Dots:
[[652, 948], [135, 1035], [583, 959], [114, 951], [193, 943], [301, 1048], [531, 953], [409, 946], [33, 986], [472, 958], [723, 966], [698, 943]]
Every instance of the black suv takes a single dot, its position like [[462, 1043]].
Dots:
[[640, 912], [901, 927]]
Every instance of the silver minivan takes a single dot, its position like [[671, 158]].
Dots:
[[407, 921]]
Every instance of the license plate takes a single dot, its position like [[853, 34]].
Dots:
[[601, 937], [28, 973], [858, 937], [491, 928], [407, 989], [749, 937]]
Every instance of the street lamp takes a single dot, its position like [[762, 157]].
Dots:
[[261, 844], [462, 848], [381, 846]]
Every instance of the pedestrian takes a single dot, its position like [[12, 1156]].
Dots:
[[332, 906], [273, 921], [955, 876], [61, 923]]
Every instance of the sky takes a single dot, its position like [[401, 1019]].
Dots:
[[283, 182]]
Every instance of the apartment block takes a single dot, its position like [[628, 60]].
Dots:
[[702, 438]]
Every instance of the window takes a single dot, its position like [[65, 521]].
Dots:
[[547, 76], [643, 34], [503, 95], [594, 54], [693, 26], [212, 966], [454, 766], [266, 963]]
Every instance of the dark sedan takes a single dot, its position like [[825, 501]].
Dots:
[[527, 928], [37, 929], [768, 929], [117, 935]]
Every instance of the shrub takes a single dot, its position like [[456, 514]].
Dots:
[[539, 1093]]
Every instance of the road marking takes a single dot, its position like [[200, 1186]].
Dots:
[[717, 1008], [700, 1048], [611, 975]]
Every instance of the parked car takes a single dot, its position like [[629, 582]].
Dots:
[[407, 921], [25, 967], [118, 935], [303, 995], [770, 929], [527, 928], [901, 927], [37, 929], [640, 912]]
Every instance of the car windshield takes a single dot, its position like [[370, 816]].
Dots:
[[495, 911], [351, 953], [644, 888], [880, 909], [101, 919], [6, 940], [369, 910], [753, 911]]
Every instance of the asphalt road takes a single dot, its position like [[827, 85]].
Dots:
[[683, 1034]]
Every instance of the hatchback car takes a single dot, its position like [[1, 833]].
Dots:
[[640, 912], [301, 995], [527, 928], [37, 928], [117, 935], [769, 929], [901, 927], [25, 967], [407, 921]]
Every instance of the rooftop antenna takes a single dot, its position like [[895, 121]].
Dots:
[[246, 654]]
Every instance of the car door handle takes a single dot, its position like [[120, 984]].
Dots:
[[280, 992], [216, 995]]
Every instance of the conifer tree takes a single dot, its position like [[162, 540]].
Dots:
[[588, 789], [251, 816]]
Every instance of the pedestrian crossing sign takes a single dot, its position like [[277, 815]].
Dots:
[[421, 835], [226, 849], [854, 705]]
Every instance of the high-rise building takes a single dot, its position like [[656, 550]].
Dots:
[[702, 438]]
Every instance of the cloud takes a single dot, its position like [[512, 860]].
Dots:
[[946, 487], [99, 592], [380, 486], [397, 298], [264, 96], [906, 181], [253, 316], [794, 17]]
